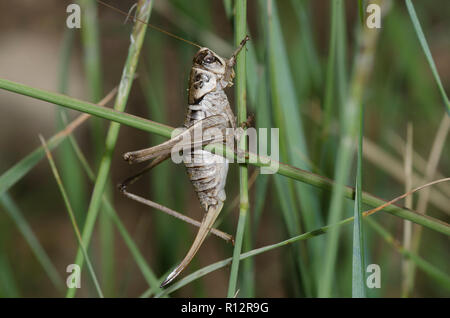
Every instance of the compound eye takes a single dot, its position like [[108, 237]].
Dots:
[[210, 59]]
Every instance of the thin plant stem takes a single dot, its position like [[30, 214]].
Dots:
[[422, 203], [137, 38], [11, 208], [72, 216], [90, 37], [69, 168], [367, 39], [419, 163], [305, 236], [427, 52], [358, 267], [440, 277], [146, 271], [240, 33], [11, 176], [407, 225]]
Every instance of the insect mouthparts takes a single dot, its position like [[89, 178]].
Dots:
[[122, 187]]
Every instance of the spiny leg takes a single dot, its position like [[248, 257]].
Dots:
[[232, 59], [249, 122], [208, 220], [215, 121], [123, 189], [130, 180]]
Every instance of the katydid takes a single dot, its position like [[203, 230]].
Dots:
[[208, 111]]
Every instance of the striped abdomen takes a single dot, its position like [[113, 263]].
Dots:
[[207, 172]]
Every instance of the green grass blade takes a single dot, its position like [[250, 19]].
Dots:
[[8, 286], [69, 167], [146, 271], [14, 174], [305, 236], [335, 86], [286, 105], [8, 282], [330, 75], [349, 121], [86, 107], [228, 6], [17, 172], [361, 6], [286, 197], [439, 276], [241, 102], [138, 35], [11, 176], [72, 217], [192, 27], [152, 77], [358, 268], [292, 140], [263, 121], [14, 212], [293, 147], [90, 38], [307, 54], [258, 99], [427, 52], [341, 57], [210, 268], [236, 256]]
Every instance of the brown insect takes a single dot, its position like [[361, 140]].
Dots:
[[208, 108], [210, 113]]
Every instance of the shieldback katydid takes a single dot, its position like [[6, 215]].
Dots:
[[208, 110]]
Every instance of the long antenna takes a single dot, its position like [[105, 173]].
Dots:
[[148, 24]]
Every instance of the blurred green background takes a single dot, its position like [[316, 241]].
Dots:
[[292, 68]]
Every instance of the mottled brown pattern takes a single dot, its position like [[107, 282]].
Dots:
[[208, 172], [210, 75]]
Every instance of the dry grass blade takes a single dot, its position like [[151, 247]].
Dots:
[[20, 169], [419, 163], [137, 39], [381, 207], [164, 130], [394, 168], [435, 155], [71, 215], [305, 236]]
